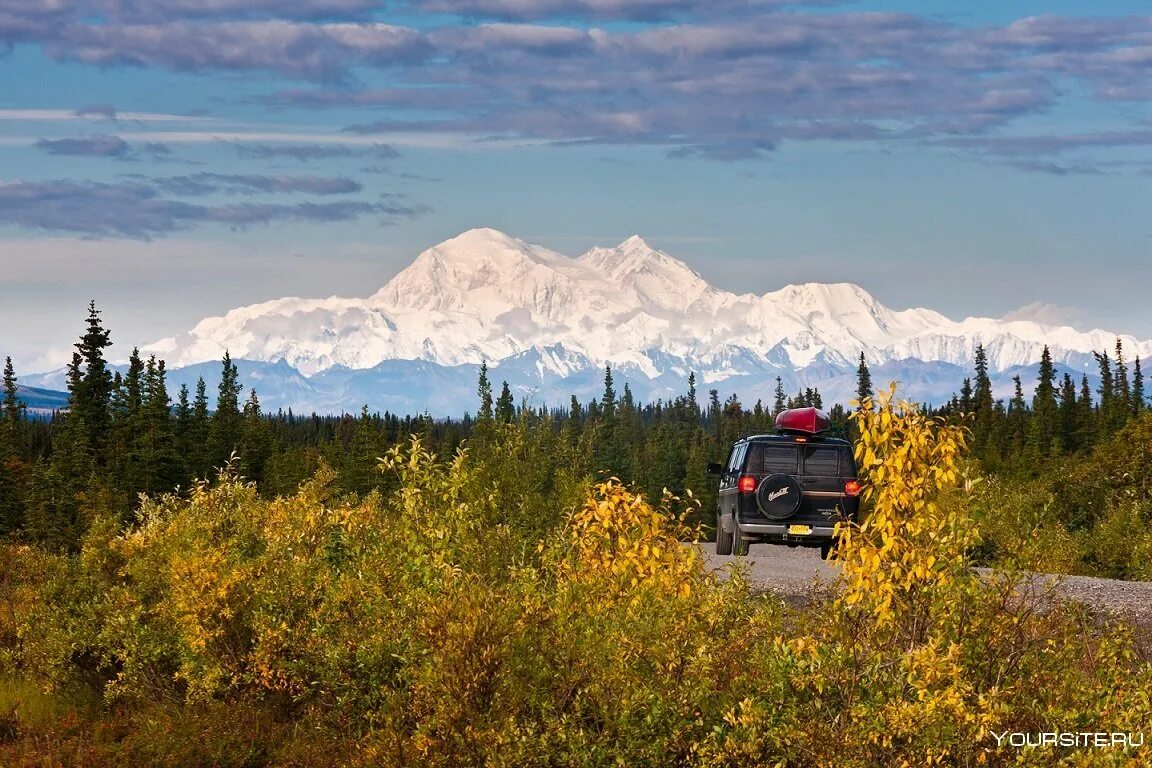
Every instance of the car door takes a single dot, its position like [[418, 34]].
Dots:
[[728, 495], [820, 482]]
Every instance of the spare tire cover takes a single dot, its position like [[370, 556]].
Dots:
[[778, 496]]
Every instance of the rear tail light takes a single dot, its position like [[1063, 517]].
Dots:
[[746, 484], [852, 488]]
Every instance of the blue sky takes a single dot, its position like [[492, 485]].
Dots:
[[174, 158]]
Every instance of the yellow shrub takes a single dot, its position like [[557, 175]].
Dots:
[[619, 535]]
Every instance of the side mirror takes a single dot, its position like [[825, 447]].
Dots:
[[715, 469]]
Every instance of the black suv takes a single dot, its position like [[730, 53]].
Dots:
[[788, 488]]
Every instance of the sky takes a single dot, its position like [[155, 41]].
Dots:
[[172, 159]]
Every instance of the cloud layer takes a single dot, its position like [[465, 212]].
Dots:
[[147, 209], [720, 80]]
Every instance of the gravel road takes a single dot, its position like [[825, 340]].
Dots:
[[798, 575]]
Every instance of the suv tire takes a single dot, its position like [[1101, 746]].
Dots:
[[723, 539], [739, 543]]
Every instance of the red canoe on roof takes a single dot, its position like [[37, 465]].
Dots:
[[808, 421]]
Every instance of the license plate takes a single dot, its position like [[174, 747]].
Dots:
[[799, 530]]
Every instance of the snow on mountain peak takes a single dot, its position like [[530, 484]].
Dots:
[[650, 277], [484, 295]]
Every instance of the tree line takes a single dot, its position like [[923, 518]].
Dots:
[[124, 435]]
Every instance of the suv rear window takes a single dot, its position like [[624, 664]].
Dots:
[[770, 459], [821, 460]]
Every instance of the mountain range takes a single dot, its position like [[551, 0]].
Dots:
[[548, 324]]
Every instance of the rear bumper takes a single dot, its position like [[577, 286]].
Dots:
[[780, 531]]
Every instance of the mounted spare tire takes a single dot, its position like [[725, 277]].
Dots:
[[778, 496]]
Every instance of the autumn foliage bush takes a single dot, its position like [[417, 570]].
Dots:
[[499, 611]]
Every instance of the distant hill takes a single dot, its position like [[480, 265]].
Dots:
[[41, 402]]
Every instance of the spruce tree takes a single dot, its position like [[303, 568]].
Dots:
[[732, 420], [91, 383], [1017, 417], [691, 403], [199, 458], [863, 381], [1107, 411], [575, 422], [255, 440], [966, 402], [1122, 388], [484, 390], [12, 468], [1138, 401], [157, 441], [13, 407], [779, 404], [360, 473], [982, 405], [227, 419], [1068, 415], [119, 459], [505, 405], [1086, 416], [182, 431], [608, 399], [1045, 416]]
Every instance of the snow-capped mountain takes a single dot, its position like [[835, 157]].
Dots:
[[487, 296], [548, 324]]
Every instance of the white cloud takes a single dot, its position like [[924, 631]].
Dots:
[[1048, 314]]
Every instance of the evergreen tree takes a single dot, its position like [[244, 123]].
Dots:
[[966, 402], [182, 431], [1017, 418], [1085, 416], [56, 515], [12, 468], [227, 419], [625, 437], [505, 405], [134, 383], [123, 455], [13, 407], [982, 405], [863, 381], [156, 440], [91, 383], [1108, 411], [575, 421], [199, 456], [1138, 401], [1123, 391], [484, 390], [118, 459], [732, 420], [778, 403], [359, 473], [255, 441], [608, 399], [691, 400], [1045, 416], [1068, 415]]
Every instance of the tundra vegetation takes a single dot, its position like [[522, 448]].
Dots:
[[502, 605]]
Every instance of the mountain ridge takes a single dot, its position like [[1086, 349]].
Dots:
[[549, 324], [484, 296]]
